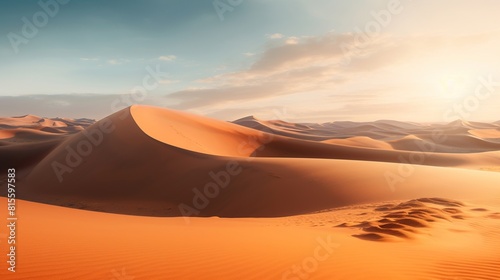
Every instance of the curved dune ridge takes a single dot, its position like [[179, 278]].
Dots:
[[361, 141], [196, 133]]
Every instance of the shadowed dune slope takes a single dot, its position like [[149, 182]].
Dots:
[[22, 156]]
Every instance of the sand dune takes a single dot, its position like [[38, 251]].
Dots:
[[379, 190], [26, 135], [32, 121], [361, 141], [385, 130], [452, 144], [32, 128], [486, 133], [5, 134], [26, 140], [25, 156]]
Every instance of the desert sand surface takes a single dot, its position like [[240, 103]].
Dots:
[[153, 193], [396, 240]]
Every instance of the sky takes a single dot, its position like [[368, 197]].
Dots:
[[294, 60]]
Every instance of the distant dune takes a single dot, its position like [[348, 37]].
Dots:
[[25, 140]]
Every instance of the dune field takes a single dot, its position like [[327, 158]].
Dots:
[[153, 193]]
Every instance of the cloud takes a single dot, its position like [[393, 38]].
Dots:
[[320, 64], [117, 61], [167, 57], [196, 98], [314, 48], [275, 36], [167, 82], [248, 54], [354, 77], [292, 40], [285, 69], [89, 59]]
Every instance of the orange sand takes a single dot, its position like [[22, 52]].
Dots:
[[259, 198]]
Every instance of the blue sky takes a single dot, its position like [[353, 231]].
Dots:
[[263, 57]]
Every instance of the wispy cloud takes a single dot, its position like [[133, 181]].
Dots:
[[117, 61], [167, 57], [89, 58], [275, 36], [167, 82], [292, 40], [280, 70]]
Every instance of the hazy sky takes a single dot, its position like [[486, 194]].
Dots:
[[298, 60]]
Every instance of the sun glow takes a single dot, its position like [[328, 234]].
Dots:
[[454, 86]]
